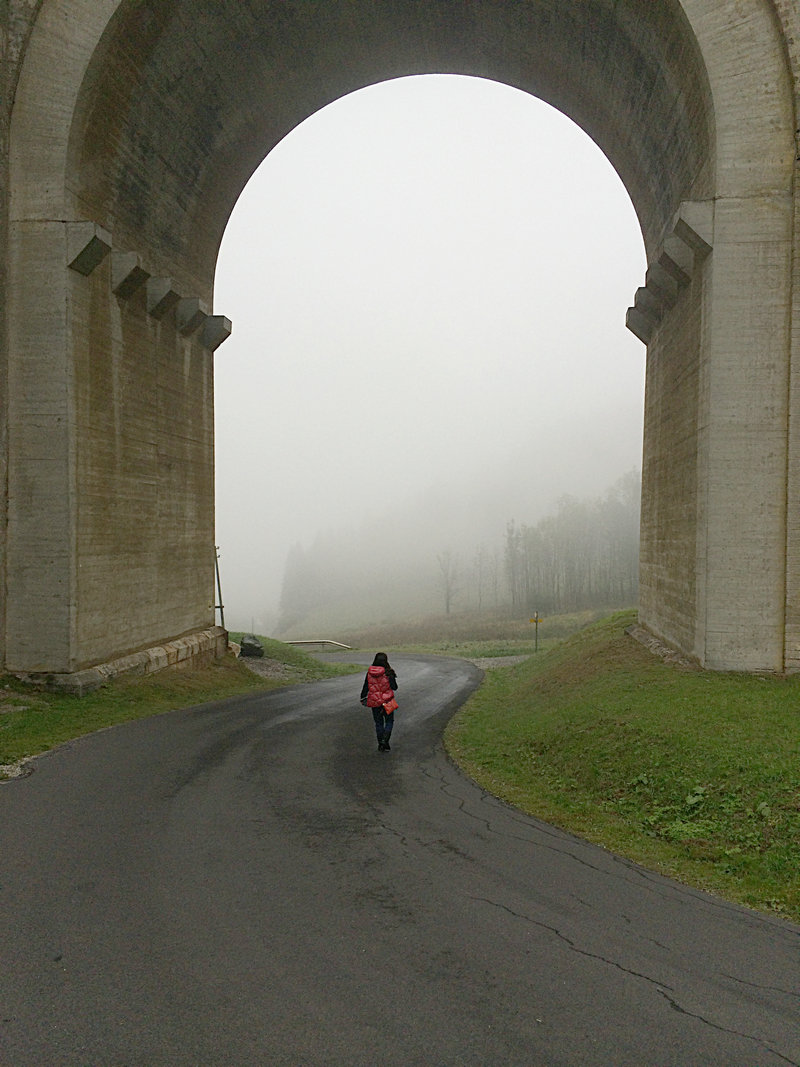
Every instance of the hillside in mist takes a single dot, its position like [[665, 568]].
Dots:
[[453, 554]]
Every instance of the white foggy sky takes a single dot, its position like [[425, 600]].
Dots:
[[428, 282]]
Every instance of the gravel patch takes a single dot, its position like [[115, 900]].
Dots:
[[15, 770], [270, 668]]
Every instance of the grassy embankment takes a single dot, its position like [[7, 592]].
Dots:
[[470, 635], [690, 773], [32, 722]]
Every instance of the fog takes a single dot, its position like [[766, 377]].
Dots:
[[428, 282]]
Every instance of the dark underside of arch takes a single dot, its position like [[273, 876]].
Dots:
[[182, 100]]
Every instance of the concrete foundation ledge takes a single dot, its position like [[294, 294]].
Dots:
[[192, 650], [658, 648]]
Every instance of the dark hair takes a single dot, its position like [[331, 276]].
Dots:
[[381, 660]]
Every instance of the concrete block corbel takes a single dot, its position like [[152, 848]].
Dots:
[[216, 329], [694, 225], [661, 284], [640, 325], [677, 259], [87, 246], [127, 274], [161, 297], [191, 315], [647, 303]]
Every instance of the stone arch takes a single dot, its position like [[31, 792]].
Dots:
[[351, 48], [134, 128]]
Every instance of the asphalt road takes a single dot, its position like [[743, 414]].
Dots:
[[251, 882]]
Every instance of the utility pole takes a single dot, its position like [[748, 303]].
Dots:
[[220, 605]]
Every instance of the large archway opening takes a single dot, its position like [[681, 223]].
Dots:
[[428, 281]]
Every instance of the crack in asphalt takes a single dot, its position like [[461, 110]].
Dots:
[[541, 830], [648, 940], [559, 843], [726, 1029], [551, 839], [661, 988], [792, 994], [572, 945]]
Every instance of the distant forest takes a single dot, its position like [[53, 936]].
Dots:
[[584, 555]]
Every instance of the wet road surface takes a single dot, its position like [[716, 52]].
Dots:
[[251, 882]]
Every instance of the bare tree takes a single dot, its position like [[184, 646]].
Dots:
[[448, 577], [481, 567]]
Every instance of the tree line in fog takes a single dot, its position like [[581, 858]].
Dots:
[[586, 555], [583, 555]]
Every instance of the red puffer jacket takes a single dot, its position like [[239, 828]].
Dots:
[[378, 688]]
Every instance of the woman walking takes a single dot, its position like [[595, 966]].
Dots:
[[377, 691]]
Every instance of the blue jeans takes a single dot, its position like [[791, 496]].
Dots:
[[383, 723]]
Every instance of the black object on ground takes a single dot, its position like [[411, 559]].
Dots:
[[251, 646]]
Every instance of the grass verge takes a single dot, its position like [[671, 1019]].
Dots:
[[690, 773], [32, 722]]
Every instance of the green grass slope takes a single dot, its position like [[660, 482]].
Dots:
[[691, 773]]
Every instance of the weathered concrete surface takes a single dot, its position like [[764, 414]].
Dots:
[[147, 119], [202, 646]]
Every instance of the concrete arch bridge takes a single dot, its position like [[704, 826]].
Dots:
[[128, 129]]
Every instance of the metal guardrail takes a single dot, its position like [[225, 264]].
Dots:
[[321, 641]]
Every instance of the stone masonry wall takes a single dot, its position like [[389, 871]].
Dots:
[[144, 471]]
